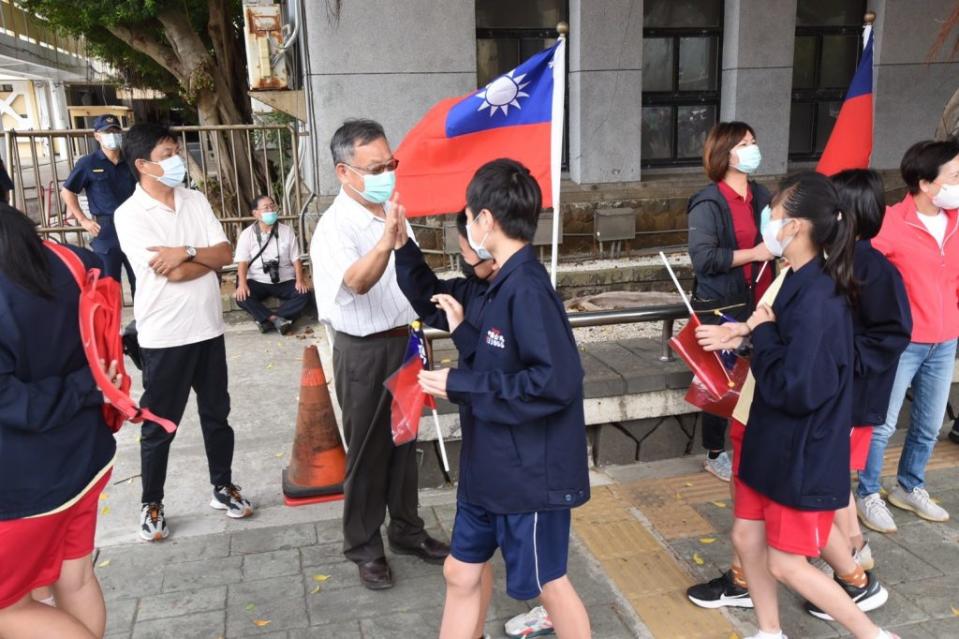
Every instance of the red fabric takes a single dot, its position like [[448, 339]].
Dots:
[[703, 399], [32, 550], [707, 367], [434, 169], [931, 276], [859, 441], [409, 400], [737, 431], [744, 228], [101, 300], [797, 532], [850, 143]]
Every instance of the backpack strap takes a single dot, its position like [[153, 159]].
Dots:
[[71, 260]]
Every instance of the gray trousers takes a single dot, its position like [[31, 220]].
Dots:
[[379, 475]]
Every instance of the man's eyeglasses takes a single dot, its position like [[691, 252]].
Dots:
[[376, 170]]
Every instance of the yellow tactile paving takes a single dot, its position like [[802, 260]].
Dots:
[[671, 615], [647, 574]]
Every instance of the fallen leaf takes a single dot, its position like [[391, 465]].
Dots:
[[270, 365], [104, 563], [707, 540], [259, 623], [104, 496], [138, 439], [315, 590], [718, 504], [955, 612], [734, 636], [697, 559], [249, 607], [278, 455], [320, 578], [105, 510], [130, 481]]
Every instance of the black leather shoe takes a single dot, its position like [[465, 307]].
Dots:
[[376, 574], [429, 550]]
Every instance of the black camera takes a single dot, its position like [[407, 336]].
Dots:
[[273, 269]]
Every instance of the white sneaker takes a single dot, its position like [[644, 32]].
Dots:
[[535, 623], [864, 557], [721, 467], [874, 513], [766, 635], [917, 501], [152, 522]]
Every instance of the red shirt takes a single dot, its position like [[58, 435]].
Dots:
[[744, 228]]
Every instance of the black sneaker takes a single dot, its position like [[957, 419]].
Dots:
[[228, 498], [721, 591], [283, 325], [870, 597], [152, 522], [954, 435], [265, 326]]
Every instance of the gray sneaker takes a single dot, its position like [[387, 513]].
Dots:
[[874, 513], [721, 467], [919, 502], [152, 522]]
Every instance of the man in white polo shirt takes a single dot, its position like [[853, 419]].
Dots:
[[176, 245], [357, 295]]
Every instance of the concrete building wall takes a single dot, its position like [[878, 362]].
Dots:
[[909, 93], [605, 90], [758, 42], [389, 61]]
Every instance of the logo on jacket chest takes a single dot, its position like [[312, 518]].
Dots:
[[495, 338]]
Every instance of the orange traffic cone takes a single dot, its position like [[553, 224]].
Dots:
[[318, 464]]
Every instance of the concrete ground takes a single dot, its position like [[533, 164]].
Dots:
[[650, 530]]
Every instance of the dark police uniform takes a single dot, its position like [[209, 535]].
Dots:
[[107, 186], [523, 458]]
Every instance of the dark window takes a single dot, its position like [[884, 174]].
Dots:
[[828, 46], [509, 32], [682, 41]]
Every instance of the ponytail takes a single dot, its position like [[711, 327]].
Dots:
[[22, 256], [813, 197]]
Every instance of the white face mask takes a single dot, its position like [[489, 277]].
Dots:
[[947, 197], [771, 236], [481, 252], [110, 141]]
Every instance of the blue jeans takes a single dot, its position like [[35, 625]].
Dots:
[[928, 368]]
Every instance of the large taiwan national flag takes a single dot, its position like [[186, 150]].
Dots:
[[850, 143], [519, 115]]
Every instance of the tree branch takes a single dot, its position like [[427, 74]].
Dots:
[[156, 50]]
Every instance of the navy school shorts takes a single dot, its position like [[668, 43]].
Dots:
[[535, 546]]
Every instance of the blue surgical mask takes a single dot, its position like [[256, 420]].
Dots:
[[269, 217], [481, 252], [749, 158], [764, 216], [110, 141], [174, 170], [377, 188]]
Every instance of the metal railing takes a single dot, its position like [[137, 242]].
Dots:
[[230, 164], [666, 313]]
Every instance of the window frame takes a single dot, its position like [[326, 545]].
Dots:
[[817, 95], [677, 98]]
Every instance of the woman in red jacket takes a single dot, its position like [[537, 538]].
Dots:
[[919, 236]]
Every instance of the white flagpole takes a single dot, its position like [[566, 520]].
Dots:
[[439, 439], [679, 288], [556, 140]]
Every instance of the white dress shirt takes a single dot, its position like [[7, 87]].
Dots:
[[346, 232], [169, 313], [282, 247]]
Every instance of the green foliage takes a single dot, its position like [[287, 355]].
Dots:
[[92, 19]]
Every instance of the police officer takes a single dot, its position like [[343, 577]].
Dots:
[[107, 180]]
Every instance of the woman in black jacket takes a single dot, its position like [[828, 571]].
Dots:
[[726, 249]]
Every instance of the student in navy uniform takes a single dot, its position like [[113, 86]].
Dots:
[[794, 474], [108, 181], [523, 459], [56, 452]]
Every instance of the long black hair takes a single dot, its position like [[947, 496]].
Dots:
[[23, 260], [862, 198], [811, 196]]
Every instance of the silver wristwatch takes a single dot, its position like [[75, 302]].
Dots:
[[190, 253]]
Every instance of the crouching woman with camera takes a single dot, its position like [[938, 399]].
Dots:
[[269, 265]]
